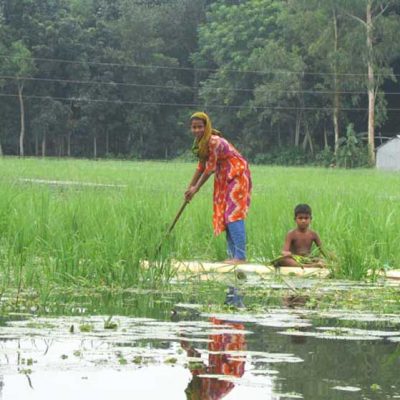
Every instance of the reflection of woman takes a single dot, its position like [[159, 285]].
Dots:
[[232, 185], [218, 364]]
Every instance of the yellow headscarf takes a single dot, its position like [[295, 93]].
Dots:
[[200, 146]]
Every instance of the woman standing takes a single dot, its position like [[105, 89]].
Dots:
[[232, 185]]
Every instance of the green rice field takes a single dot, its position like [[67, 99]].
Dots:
[[92, 222]]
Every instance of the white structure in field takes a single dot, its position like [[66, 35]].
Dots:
[[388, 155]]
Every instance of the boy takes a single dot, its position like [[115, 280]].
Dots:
[[298, 243]]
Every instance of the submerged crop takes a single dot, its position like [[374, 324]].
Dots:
[[102, 219]]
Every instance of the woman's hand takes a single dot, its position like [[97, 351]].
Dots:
[[189, 194]]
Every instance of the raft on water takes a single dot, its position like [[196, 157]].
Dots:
[[191, 268], [200, 267], [393, 274]]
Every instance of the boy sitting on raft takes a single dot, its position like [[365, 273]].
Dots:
[[298, 243]]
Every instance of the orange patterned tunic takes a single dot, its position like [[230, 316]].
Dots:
[[232, 185]]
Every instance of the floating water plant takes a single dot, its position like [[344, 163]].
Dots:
[[86, 328], [110, 324]]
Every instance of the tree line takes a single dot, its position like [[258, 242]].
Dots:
[[283, 79]]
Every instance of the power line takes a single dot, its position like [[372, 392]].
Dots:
[[164, 67], [100, 83], [183, 88], [188, 105]]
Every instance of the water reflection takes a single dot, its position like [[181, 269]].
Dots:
[[221, 359], [219, 363]]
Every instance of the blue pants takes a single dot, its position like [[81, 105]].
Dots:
[[236, 238]]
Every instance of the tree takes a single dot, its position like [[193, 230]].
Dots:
[[94, 77], [317, 29], [237, 38], [48, 124], [380, 27], [20, 65]]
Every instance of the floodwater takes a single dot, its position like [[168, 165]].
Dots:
[[148, 353]]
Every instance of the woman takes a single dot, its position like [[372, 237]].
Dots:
[[232, 185]]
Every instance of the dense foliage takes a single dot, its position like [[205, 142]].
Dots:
[[284, 80], [94, 223]]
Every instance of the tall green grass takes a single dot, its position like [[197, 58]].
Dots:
[[99, 235]]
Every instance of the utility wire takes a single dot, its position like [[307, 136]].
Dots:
[[173, 87], [189, 105], [162, 67]]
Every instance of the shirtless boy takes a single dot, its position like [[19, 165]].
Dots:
[[299, 241]]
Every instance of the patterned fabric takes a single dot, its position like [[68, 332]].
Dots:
[[232, 185], [220, 362]]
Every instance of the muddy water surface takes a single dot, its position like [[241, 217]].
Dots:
[[149, 352]]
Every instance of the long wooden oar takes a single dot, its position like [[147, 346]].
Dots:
[[172, 226]]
